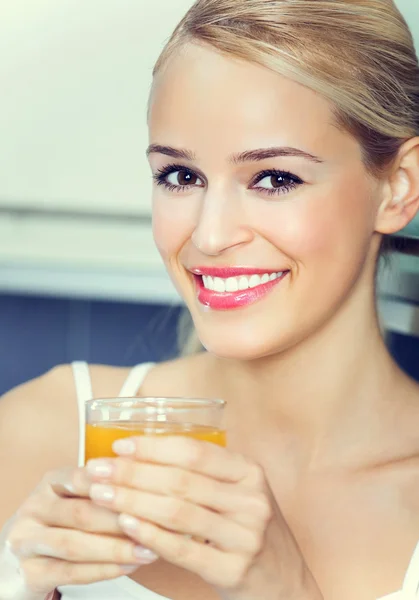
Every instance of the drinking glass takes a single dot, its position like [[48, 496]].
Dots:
[[110, 419]]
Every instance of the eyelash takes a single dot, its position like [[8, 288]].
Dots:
[[162, 174]]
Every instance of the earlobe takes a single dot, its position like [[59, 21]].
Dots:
[[401, 203]]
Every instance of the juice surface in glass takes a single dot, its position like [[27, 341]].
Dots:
[[100, 436]]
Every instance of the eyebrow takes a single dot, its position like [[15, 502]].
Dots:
[[242, 157], [169, 151], [263, 153]]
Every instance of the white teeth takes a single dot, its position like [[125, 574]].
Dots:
[[254, 281], [232, 284], [219, 284], [235, 284], [243, 283], [208, 282]]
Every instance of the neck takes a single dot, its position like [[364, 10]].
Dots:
[[324, 390]]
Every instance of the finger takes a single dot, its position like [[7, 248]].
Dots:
[[78, 547], [70, 482], [80, 514], [187, 453], [240, 503], [46, 573], [158, 479], [179, 516], [69, 509], [215, 566]]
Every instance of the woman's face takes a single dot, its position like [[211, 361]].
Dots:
[[262, 208]]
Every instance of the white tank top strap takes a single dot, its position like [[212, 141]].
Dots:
[[82, 382], [135, 380], [84, 392], [410, 590]]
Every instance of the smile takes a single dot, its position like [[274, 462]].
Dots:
[[235, 284], [226, 289]]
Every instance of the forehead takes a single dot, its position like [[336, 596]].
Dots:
[[205, 98]]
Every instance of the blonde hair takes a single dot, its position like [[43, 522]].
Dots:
[[358, 54]]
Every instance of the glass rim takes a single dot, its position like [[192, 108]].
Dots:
[[157, 401]]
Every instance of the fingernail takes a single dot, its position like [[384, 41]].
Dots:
[[69, 487], [128, 523], [103, 493], [144, 554], [129, 568], [99, 467], [125, 447]]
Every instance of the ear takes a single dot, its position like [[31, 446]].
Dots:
[[401, 192]]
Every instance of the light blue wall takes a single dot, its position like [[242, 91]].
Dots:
[[410, 10]]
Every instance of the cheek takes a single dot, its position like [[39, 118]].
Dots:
[[173, 225], [330, 223]]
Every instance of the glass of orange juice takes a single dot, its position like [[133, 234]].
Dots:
[[110, 419]]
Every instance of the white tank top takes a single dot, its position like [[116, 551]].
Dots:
[[123, 588]]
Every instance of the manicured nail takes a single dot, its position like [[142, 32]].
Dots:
[[102, 493], [70, 488], [124, 447], [128, 523], [144, 554], [129, 568], [99, 467]]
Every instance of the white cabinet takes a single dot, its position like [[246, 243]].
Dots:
[[74, 79]]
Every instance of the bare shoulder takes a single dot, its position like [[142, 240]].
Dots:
[[44, 410], [37, 431], [39, 428], [33, 407]]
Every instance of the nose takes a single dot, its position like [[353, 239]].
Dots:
[[222, 223]]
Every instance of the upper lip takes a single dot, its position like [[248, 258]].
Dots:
[[225, 272]]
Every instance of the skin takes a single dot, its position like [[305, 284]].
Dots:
[[225, 223], [328, 495]]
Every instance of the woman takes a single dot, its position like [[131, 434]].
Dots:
[[284, 148]]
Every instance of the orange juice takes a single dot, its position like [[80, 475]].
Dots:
[[100, 436]]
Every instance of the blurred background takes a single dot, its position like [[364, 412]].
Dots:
[[80, 278]]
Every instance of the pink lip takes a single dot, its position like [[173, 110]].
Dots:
[[232, 300], [225, 272]]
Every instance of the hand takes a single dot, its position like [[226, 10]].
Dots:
[[60, 537], [172, 492]]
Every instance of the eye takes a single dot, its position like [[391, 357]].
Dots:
[[276, 182], [177, 178], [182, 178]]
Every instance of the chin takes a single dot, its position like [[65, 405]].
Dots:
[[244, 343]]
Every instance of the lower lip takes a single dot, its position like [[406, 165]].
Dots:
[[232, 300]]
